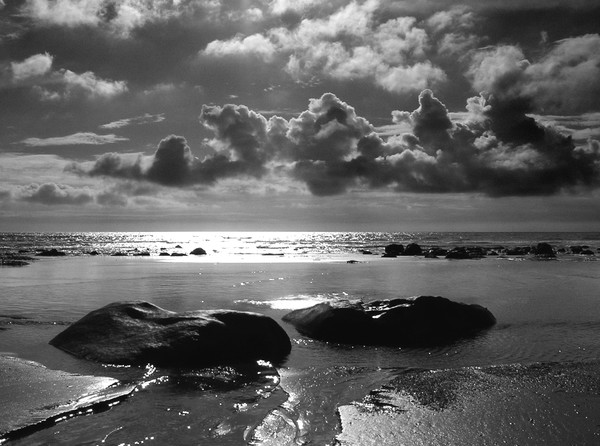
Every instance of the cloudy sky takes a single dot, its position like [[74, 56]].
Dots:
[[299, 115]]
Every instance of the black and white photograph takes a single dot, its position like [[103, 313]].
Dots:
[[299, 222]]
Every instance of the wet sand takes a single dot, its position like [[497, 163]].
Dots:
[[537, 404]]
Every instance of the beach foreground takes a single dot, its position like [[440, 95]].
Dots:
[[537, 404], [547, 314]]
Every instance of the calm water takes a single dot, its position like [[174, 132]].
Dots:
[[546, 311]]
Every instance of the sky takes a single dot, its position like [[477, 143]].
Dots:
[[301, 115]]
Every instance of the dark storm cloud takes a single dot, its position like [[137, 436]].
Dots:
[[498, 151]]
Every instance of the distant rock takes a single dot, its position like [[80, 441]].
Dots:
[[12, 262], [11, 259], [424, 320], [412, 249], [436, 252], [51, 253], [178, 247], [587, 252], [119, 254], [543, 250], [141, 332], [473, 252], [178, 254], [394, 250], [516, 251], [458, 254], [366, 252], [163, 254], [94, 253], [198, 252]]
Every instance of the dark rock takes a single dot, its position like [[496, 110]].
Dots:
[[178, 247], [425, 320], [436, 251], [458, 253], [431, 254], [412, 249], [51, 253], [12, 262], [587, 252], [492, 253], [392, 256], [178, 254], [543, 250], [198, 252], [352, 261], [162, 254], [94, 253], [140, 333], [366, 252], [142, 254], [516, 251], [119, 254], [473, 252], [394, 250]]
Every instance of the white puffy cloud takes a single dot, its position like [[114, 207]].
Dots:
[[119, 16], [566, 78], [34, 66], [51, 85], [355, 40], [255, 44]]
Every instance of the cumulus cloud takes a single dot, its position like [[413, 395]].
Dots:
[[358, 40], [83, 138], [564, 79], [137, 120], [34, 66], [495, 149], [36, 71], [255, 44], [119, 16], [54, 194]]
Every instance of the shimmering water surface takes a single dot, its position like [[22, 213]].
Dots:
[[546, 311]]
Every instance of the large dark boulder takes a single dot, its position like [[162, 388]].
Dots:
[[198, 252], [421, 321], [141, 332], [413, 249]]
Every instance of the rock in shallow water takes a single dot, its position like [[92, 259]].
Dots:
[[425, 320], [141, 332]]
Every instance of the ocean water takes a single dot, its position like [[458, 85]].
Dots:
[[547, 311]]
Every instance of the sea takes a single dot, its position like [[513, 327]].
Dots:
[[547, 311]]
